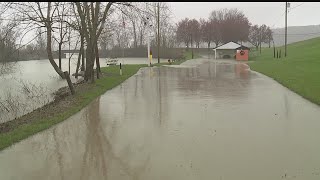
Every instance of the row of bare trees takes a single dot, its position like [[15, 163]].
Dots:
[[65, 22], [8, 36], [222, 26], [125, 25], [260, 34], [128, 29]]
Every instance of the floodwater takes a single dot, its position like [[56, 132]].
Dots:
[[205, 120], [41, 80]]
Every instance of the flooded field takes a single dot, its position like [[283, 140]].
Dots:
[[30, 84]]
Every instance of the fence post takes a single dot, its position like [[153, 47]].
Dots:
[[274, 52], [280, 54]]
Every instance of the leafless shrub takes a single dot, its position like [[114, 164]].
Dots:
[[28, 97]]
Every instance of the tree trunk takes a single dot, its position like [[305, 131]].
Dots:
[[135, 43], [141, 38], [98, 74], [69, 63], [87, 73], [92, 59], [79, 58], [260, 48], [216, 43], [260, 41], [78, 65], [49, 51], [67, 75], [83, 60], [60, 56], [97, 59]]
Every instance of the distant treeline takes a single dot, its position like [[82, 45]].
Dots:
[[169, 53]]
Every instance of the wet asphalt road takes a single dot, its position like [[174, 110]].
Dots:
[[210, 120]]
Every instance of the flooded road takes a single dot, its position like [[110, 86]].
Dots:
[[204, 120]]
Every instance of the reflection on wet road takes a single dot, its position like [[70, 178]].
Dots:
[[203, 120]]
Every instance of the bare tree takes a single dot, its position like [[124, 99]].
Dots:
[[61, 10], [93, 18], [269, 35], [194, 32], [254, 36], [40, 44], [8, 36], [233, 24], [205, 30], [39, 14], [183, 34], [92, 26]]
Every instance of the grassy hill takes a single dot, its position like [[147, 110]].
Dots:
[[299, 71], [295, 34]]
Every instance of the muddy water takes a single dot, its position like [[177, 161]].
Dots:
[[40, 77], [212, 120]]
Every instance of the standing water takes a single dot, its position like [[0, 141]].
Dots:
[[203, 120], [31, 83]]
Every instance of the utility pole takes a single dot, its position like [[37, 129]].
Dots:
[[285, 38], [148, 39], [148, 26], [158, 32]]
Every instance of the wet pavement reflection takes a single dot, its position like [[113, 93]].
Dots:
[[204, 119]]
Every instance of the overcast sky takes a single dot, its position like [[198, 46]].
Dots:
[[269, 13]]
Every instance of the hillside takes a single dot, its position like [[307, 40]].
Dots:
[[295, 34], [299, 71]]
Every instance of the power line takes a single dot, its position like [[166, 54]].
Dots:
[[280, 17], [297, 34], [295, 7]]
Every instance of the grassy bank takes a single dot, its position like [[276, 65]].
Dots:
[[299, 71], [51, 114], [79, 101]]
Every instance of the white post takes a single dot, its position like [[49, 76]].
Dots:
[[215, 54], [215, 69]]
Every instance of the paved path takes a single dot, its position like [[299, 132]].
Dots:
[[207, 120]]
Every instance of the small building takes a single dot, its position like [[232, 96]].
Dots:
[[231, 50]]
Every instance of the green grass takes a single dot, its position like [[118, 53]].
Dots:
[[82, 99], [299, 71], [96, 89]]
